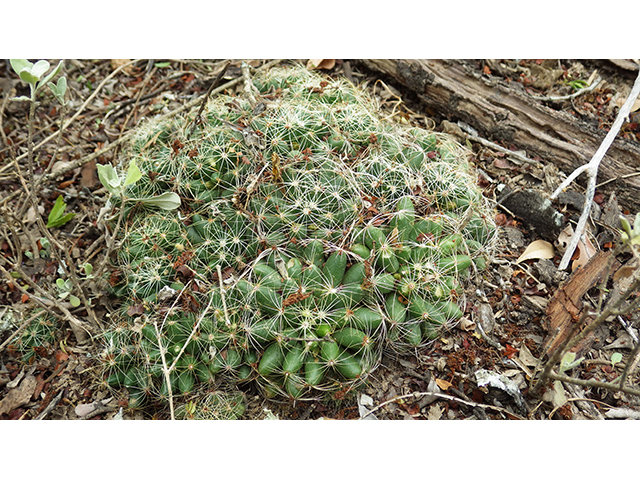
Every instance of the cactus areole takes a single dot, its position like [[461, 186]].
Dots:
[[312, 234]]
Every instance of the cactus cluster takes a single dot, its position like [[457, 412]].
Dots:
[[312, 234], [41, 332]]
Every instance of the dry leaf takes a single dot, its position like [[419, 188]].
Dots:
[[467, 324], [443, 384], [30, 216], [537, 249], [623, 272], [62, 164], [89, 177], [435, 412], [116, 63], [18, 396], [583, 251], [526, 357], [321, 64], [621, 100]]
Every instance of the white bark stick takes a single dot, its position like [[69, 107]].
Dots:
[[592, 172]]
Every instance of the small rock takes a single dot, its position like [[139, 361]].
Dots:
[[548, 272], [515, 237], [485, 318], [535, 211], [535, 302]]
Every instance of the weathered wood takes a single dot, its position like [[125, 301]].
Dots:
[[565, 307], [503, 114]]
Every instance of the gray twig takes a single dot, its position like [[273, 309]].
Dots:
[[591, 169], [582, 91]]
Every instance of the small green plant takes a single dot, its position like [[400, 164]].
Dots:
[[577, 84], [41, 332], [116, 185], [32, 73], [569, 361], [616, 357], [88, 269], [59, 90], [66, 287], [630, 236], [57, 217]]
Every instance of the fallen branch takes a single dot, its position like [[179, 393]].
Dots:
[[572, 96], [594, 384], [50, 407], [591, 170], [472, 135], [443, 396]]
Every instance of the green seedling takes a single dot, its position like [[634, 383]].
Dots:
[[569, 361], [88, 269], [45, 253], [66, 287], [116, 185], [57, 217], [630, 236], [616, 357], [577, 84], [32, 73], [59, 89]]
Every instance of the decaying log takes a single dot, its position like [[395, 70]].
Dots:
[[509, 116]]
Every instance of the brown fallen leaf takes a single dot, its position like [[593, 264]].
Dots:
[[18, 396], [88, 175], [623, 272], [117, 62], [435, 412], [504, 164], [467, 324], [537, 249], [326, 64], [443, 384], [584, 251]]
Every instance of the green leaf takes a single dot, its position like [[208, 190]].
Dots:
[[568, 361], [40, 68], [75, 301], [616, 358], [626, 226], [56, 217], [109, 178], [28, 77], [133, 173], [162, 64], [60, 283], [53, 73], [19, 64], [58, 208], [59, 90], [166, 201]]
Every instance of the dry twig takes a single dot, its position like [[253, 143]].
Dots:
[[443, 396], [591, 170]]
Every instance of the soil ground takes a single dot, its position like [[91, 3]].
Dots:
[[508, 301]]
